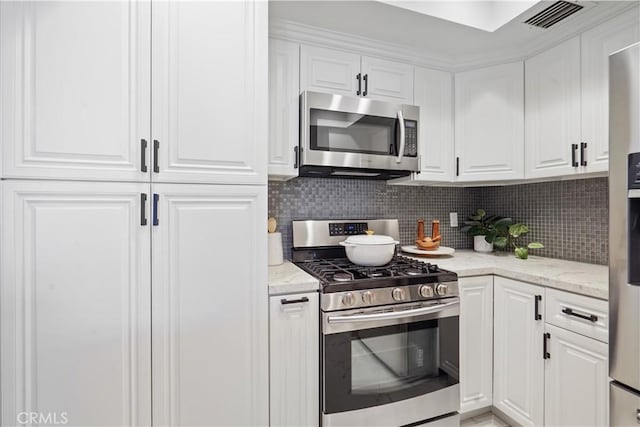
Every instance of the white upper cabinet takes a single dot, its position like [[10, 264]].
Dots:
[[387, 81], [76, 294], [210, 306], [576, 380], [343, 73], [489, 123], [210, 119], [330, 71], [476, 343], [552, 140], [597, 45], [518, 382], [74, 89], [284, 91]]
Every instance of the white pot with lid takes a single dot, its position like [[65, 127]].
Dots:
[[368, 250]]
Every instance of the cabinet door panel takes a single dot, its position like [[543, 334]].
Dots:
[[388, 80], [210, 91], [489, 123], [284, 95], [76, 300], [552, 110], [294, 361], [576, 380], [597, 45], [518, 387], [74, 86], [210, 321], [327, 70], [476, 343]]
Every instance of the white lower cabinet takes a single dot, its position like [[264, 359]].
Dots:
[[76, 305], [576, 380], [476, 343], [518, 383], [294, 360], [209, 300]]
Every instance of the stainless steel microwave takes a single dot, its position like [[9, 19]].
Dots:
[[349, 137]]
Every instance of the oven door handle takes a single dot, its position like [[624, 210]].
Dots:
[[392, 314], [402, 137]]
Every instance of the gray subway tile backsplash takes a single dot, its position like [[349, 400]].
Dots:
[[569, 217]]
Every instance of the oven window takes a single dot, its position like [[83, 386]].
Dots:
[[382, 365], [352, 133]]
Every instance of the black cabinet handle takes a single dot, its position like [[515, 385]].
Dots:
[[574, 162], [545, 353], [583, 154], [156, 147], [537, 315], [285, 301], [295, 157], [143, 155], [457, 166], [366, 84], [143, 209], [590, 317], [155, 208], [359, 78]]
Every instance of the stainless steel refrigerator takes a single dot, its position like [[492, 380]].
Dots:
[[624, 236]]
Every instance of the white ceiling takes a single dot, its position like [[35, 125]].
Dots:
[[443, 40]]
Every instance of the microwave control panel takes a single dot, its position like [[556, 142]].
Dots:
[[411, 138], [347, 228]]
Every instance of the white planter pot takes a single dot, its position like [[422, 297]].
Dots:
[[481, 245]]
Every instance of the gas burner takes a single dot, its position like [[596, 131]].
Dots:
[[413, 271], [343, 277]]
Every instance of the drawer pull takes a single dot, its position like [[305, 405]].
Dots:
[[591, 317], [284, 301]]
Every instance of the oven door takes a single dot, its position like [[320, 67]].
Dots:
[[376, 357], [348, 132]]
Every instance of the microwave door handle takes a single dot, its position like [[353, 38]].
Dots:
[[392, 314], [402, 137]]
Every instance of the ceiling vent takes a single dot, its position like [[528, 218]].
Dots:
[[553, 14]]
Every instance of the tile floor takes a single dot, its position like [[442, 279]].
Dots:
[[484, 420]]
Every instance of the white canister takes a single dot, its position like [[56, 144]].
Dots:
[[481, 245], [275, 248]]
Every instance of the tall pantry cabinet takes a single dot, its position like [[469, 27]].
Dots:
[[133, 212]]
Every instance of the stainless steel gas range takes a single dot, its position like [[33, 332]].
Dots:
[[389, 346]]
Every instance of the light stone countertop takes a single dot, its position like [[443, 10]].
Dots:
[[289, 279], [577, 277]]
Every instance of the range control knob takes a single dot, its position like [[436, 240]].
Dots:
[[426, 291], [398, 294], [348, 299], [367, 297], [441, 289]]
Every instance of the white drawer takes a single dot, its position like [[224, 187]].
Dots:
[[584, 315]]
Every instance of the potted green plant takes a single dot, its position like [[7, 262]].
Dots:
[[486, 230], [515, 231]]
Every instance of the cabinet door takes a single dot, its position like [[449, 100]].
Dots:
[[75, 298], [552, 108], [576, 380], [434, 96], [387, 80], [330, 71], [489, 121], [74, 89], [284, 91], [210, 345], [518, 382], [597, 44], [210, 117], [476, 343], [294, 360]]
